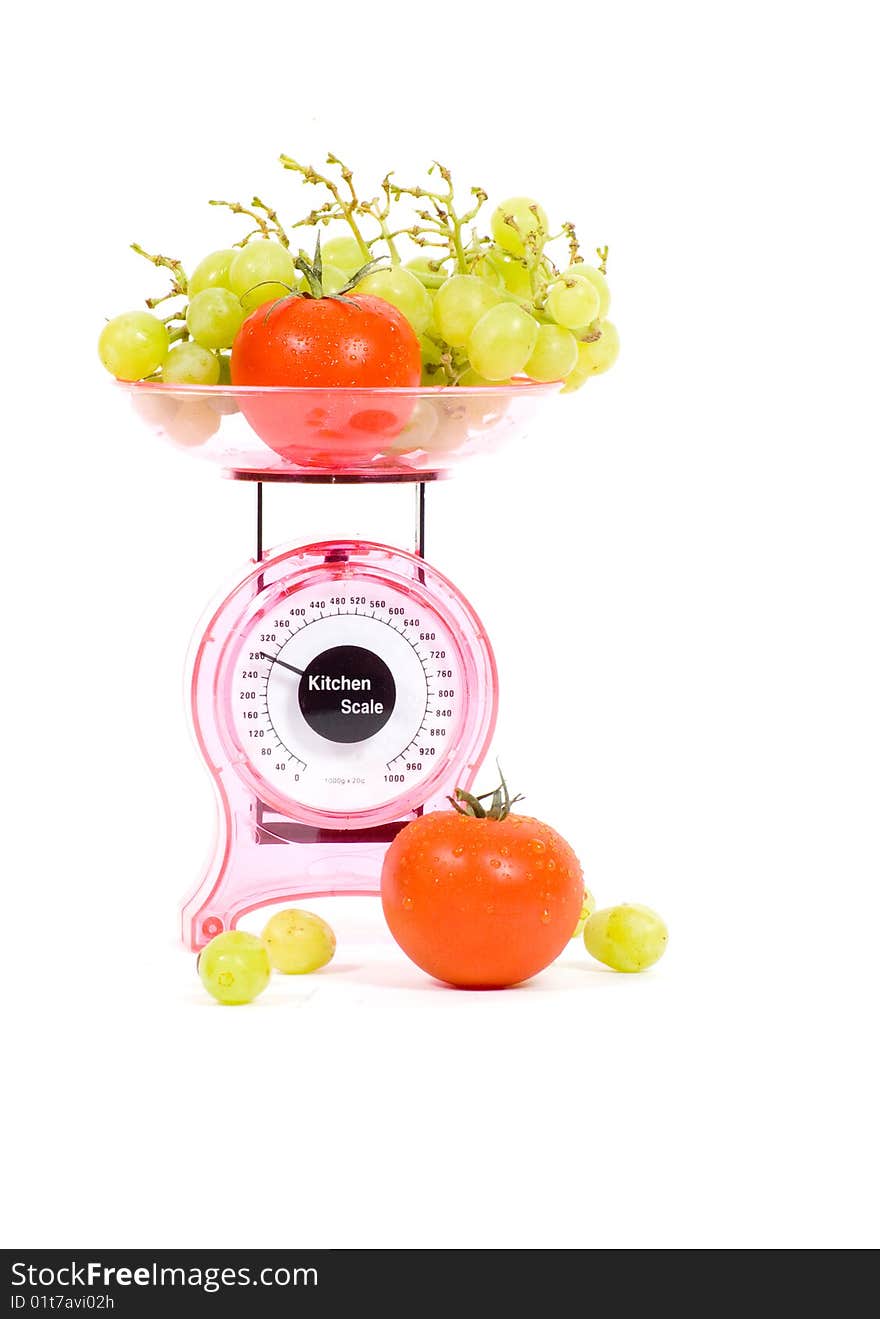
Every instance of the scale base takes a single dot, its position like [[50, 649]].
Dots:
[[278, 860]]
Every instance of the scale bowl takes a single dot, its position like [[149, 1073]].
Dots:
[[275, 433]]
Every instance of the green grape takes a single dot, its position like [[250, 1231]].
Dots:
[[262, 272], [529, 229], [573, 301], [599, 282], [194, 422], [471, 379], [223, 401], [507, 271], [587, 909], [212, 271], [487, 267], [432, 352], [345, 253], [428, 270], [418, 431], [133, 345], [502, 341], [333, 278], [234, 967], [403, 290], [515, 275], [191, 364], [626, 938], [554, 355], [213, 317], [594, 358], [155, 410], [459, 304], [298, 941]]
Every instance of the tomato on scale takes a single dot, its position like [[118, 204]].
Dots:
[[312, 339]]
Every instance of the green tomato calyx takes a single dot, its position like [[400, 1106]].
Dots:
[[314, 274], [466, 803]]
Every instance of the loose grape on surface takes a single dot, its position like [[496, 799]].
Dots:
[[298, 942], [234, 967], [627, 938]]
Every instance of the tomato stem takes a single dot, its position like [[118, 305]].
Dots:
[[314, 273], [466, 803]]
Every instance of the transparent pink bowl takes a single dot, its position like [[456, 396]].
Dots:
[[273, 433]]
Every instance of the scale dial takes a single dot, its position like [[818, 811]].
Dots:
[[354, 682]]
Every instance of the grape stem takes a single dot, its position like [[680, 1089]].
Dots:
[[266, 227], [574, 248], [152, 303], [443, 219], [602, 254], [170, 263], [346, 209]]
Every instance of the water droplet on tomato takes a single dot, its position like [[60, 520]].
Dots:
[[505, 851], [545, 916], [491, 909], [536, 845], [494, 862], [408, 904], [458, 851]]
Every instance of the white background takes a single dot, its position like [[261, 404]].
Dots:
[[679, 573]]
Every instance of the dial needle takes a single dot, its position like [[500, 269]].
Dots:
[[292, 667]]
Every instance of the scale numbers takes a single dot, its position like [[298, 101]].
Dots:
[[345, 695]]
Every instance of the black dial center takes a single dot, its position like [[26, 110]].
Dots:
[[347, 694]]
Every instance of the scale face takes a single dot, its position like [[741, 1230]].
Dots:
[[339, 689], [343, 696]]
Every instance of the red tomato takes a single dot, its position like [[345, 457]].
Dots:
[[331, 345], [481, 903]]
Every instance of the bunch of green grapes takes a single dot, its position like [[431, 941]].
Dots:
[[487, 307]]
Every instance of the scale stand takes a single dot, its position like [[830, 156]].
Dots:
[[338, 691]]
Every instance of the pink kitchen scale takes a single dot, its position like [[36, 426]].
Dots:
[[340, 688]]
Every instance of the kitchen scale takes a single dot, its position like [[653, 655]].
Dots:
[[344, 687]]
